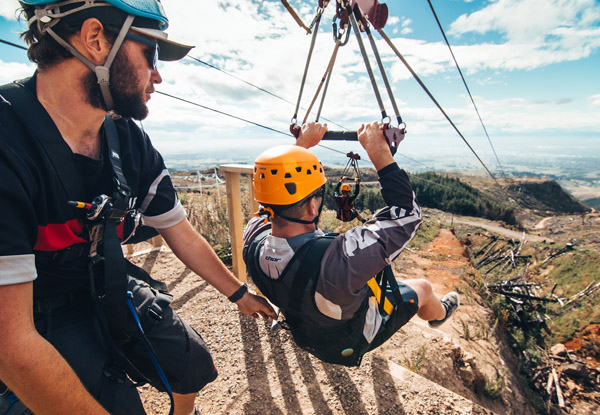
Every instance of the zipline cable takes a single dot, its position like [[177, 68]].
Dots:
[[287, 134], [254, 86], [13, 44], [223, 113], [465, 83], [231, 115], [397, 52]]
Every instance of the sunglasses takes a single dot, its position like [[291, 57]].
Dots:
[[151, 55]]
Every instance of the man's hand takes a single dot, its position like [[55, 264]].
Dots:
[[256, 306], [371, 138], [311, 134], [357, 180]]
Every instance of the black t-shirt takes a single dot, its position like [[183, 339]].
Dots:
[[34, 214]]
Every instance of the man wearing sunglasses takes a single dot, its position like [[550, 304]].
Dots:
[[75, 169]]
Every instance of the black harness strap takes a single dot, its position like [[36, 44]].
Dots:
[[387, 282], [308, 259], [115, 283]]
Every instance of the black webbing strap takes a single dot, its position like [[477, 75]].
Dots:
[[386, 280], [114, 147], [38, 123], [306, 264], [253, 265], [115, 272], [363, 52]]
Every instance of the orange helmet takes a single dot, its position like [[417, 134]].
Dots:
[[345, 187], [284, 175]]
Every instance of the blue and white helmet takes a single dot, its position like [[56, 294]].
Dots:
[[143, 16]]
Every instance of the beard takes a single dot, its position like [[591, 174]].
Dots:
[[128, 102]]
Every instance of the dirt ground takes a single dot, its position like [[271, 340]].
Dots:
[[263, 372]]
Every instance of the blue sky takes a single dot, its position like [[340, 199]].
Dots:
[[531, 65]]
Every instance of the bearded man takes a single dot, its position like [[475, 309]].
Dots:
[[79, 322]]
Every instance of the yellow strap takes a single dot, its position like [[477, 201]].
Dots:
[[387, 305]]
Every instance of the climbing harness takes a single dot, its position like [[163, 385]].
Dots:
[[357, 16], [332, 341], [383, 285]]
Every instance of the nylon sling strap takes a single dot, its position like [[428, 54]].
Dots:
[[115, 283], [380, 284], [308, 263], [26, 106]]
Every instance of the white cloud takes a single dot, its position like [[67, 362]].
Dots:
[[594, 100], [8, 9], [260, 43], [9, 71], [534, 32]]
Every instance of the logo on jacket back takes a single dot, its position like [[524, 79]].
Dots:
[[271, 259]]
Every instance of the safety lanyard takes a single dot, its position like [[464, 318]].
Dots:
[[347, 11]]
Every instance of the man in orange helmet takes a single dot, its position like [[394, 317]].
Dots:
[[320, 282], [345, 201]]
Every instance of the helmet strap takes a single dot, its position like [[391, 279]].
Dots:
[[102, 71], [306, 222]]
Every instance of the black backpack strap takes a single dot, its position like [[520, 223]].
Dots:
[[252, 262], [39, 125], [306, 264]]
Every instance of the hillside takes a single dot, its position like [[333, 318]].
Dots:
[[484, 356], [419, 371]]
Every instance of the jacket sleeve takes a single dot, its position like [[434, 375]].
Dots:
[[360, 253]]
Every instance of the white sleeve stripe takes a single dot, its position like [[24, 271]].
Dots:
[[167, 219], [152, 190], [17, 269]]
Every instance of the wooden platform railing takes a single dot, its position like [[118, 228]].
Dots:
[[234, 211]]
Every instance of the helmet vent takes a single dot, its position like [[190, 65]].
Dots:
[[262, 175], [274, 172], [288, 176], [308, 172], [298, 169], [291, 188]]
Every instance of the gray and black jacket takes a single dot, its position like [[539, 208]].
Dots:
[[352, 258]]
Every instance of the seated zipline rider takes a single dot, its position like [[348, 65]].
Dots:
[[322, 283], [345, 201]]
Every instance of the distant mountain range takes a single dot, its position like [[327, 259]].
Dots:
[[578, 174]]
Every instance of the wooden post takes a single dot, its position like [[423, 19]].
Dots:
[[234, 212], [253, 202]]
